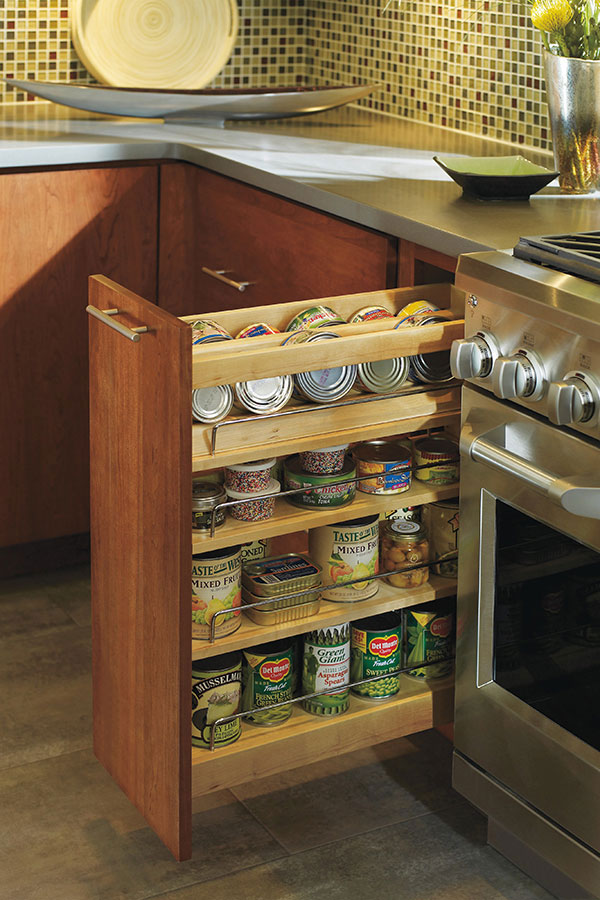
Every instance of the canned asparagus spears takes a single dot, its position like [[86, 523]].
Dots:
[[326, 668]]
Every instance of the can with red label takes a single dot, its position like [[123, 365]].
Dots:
[[257, 329], [375, 651], [267, 681]]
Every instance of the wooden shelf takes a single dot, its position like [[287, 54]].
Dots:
[[306, 738], [330, 613], [243, 439], [288, 518]]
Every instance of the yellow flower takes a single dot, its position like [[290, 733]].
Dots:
[[551, 15]]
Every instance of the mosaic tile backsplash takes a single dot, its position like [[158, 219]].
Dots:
[[471, 65]]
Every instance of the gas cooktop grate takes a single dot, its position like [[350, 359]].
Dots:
[[577, 254]]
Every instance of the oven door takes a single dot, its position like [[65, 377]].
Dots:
[[528, 648]]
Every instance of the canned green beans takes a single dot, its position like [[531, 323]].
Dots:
[[216, 694], [375, 650], [429, 638], [267, 679]]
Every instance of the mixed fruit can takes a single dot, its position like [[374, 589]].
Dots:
[[376, 645], [216, 591], [347, 552], [216, 694]]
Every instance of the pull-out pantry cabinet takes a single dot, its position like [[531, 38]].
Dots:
[[144, 450]]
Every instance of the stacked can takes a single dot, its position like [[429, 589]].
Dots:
[[384, 375], [388, 461], [262, 395], [425, 368], [210, 404], [251, 484]]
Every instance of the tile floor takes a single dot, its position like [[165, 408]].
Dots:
[[383, 821]]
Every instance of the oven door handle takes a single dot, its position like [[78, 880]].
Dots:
[[578, 494]]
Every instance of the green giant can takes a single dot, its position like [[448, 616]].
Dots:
[[326, 667], [430, 638], [267, 679], [216, 693], [375, 650]]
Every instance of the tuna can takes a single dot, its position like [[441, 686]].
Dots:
[[327, 490], [370, 313], [375, 649], [428, 368], [277, 577], [346, 552], [436, 460], [250, 478], [205, 331], [326, 461], [216, 693], [267, 679], [326, 667], [257, 329], [205, 497], [211, 404], [388, 461], [406, 316], [322, 385], [255, 507], [315, 317], [382, 376], [429, 637], [442, 524], [216, 585], [264, 395]]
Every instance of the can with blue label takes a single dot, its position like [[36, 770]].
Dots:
[[388, 461]]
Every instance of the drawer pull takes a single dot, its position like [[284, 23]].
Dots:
[[104, 315], [220, 274]]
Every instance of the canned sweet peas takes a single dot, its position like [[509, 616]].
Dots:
[[375, 651]]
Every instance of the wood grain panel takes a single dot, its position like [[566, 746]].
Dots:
[[141, 513], [55, 229], [287, 251]]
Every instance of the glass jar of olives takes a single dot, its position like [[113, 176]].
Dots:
[[404, 544]]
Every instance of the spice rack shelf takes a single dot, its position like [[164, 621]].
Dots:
[[287, 518], [305, 738], [330, 613], [143, 453]]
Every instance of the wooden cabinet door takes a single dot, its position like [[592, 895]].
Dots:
[[57, 228], [285, 250]]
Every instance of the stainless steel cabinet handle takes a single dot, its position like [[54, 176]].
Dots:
[[220, 275], [104, 315], [578, 494]]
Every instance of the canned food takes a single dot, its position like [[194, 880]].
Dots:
[[428, 368], [206, 331], [211, 404], [406, 315], [327, 490], [436, 460], [315, 317], [327, 461], [254, 551], [370, 313], [205, 498], [256, 330], [429, 637], [375, 649], [265, 395], [216, 694], [322, 385], [326, 670], [267, 679], [278, 575], [216, 586], [347, 551], [404, 545], [274, 612], [250, 478], [382, 376], [255, 507], [442, 524], [388, 461]]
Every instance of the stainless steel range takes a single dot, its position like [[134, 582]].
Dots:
[[527, 730]]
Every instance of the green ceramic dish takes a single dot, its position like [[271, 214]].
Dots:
[[496, 177]]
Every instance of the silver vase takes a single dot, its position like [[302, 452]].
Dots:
[[573, 92]]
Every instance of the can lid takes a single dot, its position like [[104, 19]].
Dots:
[[264, 394], [207, 495], [256, 466], [274, 647], [273, 488], [211, 403], [217, 663], [442, 445], [399, 529], [384, 375], [218, 554], [382, 622], [383, 451]]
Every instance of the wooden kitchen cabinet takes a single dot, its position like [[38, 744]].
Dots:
[[285, 251], [144, 449], [57, 227]]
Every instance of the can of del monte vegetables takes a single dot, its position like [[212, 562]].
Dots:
[[267, 680], [375, 651]]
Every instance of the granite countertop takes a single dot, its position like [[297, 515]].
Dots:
[[368, 168]]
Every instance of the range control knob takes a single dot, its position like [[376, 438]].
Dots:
[[574, 400], [521, 375], [474, 357]]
